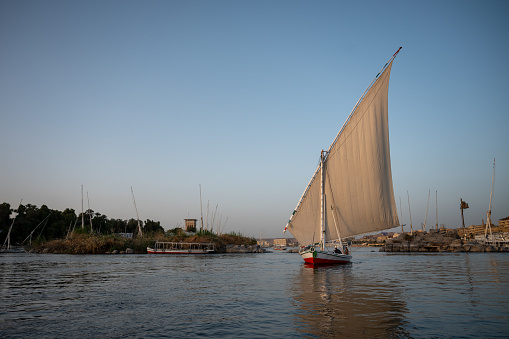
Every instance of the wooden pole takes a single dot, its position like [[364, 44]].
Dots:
[[410, 212], [89, 214]]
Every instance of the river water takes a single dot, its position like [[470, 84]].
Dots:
[[379, 295]]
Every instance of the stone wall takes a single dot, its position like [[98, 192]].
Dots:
[[244, 249], [437, 241]]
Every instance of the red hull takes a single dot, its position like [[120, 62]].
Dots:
[[319, 261], [317, 257], [169, 252]]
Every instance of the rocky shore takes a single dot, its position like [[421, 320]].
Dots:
[[243, 249], [437, 241]]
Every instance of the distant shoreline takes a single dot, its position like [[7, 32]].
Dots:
[[440, 241]]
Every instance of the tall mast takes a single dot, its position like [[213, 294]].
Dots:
[[213, 220], [89, 214], [410, 212], [322, 195], [488, 214], [8, 239], [207, 226], [137, 217], [401, 210], [426, 217], [201, 212], [436, 208], [82, 217]]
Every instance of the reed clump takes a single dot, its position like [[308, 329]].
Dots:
[[93, 244], [81, 243]]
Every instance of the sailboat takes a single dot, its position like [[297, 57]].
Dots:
[[351, 191]]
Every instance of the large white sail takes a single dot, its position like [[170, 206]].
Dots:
[[359, 196]]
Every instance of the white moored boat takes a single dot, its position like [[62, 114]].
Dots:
[[351, 191], [161, 247]]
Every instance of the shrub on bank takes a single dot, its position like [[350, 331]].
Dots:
[[99, 244], [93, 244]]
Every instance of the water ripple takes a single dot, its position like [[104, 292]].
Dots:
[[254, 296]]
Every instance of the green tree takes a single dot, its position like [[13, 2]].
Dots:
[[5, 217], [153, 227], [132, 226]]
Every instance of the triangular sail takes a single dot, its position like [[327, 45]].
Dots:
[[358, 178]]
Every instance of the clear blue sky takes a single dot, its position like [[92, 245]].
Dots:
[[240, 97]]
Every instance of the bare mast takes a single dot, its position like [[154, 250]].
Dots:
[[89, 214], [401, 210], [137, 217], [322, 195], [8, 239], [436, 208], [201, 212], [488, 213], [82, 217], [426, 217], [410, 212]]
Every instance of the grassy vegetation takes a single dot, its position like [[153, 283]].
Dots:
[[81, 243]]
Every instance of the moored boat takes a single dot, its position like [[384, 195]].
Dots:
[[162, 247], [13, 249]]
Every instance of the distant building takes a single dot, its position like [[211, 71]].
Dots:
[[504, 223], [280, 242], [190, 225], [263, 243], [473, 230]]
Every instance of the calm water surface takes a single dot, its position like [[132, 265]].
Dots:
[[380, 295]]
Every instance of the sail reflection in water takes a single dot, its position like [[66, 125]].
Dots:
[[336, 303]]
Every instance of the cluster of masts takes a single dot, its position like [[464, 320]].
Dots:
[[463, 205], [219, 227], [423, 226], [89, 212]]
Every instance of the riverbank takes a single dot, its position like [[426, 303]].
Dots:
[[114, 244], [438, 241]]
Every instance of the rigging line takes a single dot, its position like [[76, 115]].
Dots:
[[36, 228], [43, 227], [333, 204], [8, 237]]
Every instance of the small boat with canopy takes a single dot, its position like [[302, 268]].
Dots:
[[162, 247]]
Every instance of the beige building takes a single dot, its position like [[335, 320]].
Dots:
[[190, 225], [473, 230], [280, 242], [263, 243]]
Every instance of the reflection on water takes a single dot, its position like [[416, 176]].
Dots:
[[335, 302], [379, 295]]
